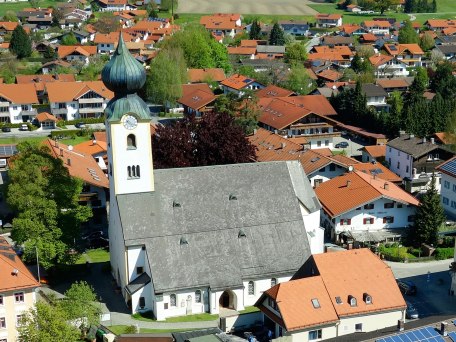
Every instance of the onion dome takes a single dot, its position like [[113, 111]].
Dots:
[[123, 74], [130, 103]]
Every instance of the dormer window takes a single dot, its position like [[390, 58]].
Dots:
[[338, 300], [367, 298], [352, 301]]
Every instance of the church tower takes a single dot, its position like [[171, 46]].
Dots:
[[127, 120]]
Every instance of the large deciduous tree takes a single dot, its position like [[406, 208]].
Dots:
[[443, 80], [168, 71], [295, 52], [384, 5], [428, 219], [276, 36], [44, 198], [20, 43], [299, 80], [215, 139]]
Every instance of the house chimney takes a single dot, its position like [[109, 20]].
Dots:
[[61, 152], [348, 183], [94, 142], [255, 131], [69, 162], [432, 141], [386, 186], [424, 140], [282, 145]]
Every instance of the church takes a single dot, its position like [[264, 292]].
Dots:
[[193, 240]]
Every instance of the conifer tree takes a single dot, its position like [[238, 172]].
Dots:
[[20, 43], [277, 37], [255, 30], [429, 217]]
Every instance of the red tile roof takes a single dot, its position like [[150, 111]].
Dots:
[[196, 95], [376, 151], [40, 80], [70, 91], [9, 264], [273, 91], [358, 188], [397, 49], [237, 81], [220, 21], [332, 16], [239, 50], [66, 50], [376, 23], [379, 59], [44, 116], [19, 93]]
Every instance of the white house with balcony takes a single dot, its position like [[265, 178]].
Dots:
[[364, 208], [388, 66], [16, 103], [448, 187], [78, 100], [409, 54], [415, 160]]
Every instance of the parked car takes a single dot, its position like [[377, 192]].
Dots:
[[6, 129], [23, 127], [407, 287], [94, 235], [342, 144], [411, 311], [80, 125]]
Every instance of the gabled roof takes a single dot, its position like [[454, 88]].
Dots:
[[203, 75], [85, 50], [113, 2], [448, 167], [8, 25], [237, 81], [274, 91], [19, 93], [397, 49], [379, 59], [350, 28], [70, 91], [220, 21], [444, 137], [196, 95], [355, 273], [376, 151], [379, 170], [330, 75], [440, 23], [111, 38], [92, 147], [240, 50], [370, 89], [39, 81], [331, 16], [9, 264], [294, 301], [376, 23], [44, 116], [387, 83], [358, 188], [79, 165], [412, 145]]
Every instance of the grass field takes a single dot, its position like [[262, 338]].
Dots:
[[18, 6], [94, 255], [120, 329], [444, 6], [15, 140]]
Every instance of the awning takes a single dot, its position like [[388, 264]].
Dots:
[[374, 236]]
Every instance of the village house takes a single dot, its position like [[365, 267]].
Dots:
[[40, 81], [238, 84], [415, 159], [16, 103], [395, 84], [112, 5], [328, 20], [409, 54], [197, 99], [372, 208], [307, 116], [440, 24], [107, 42], [373, 153], [448, 187], [228, 24], [97, 148], [295, 27], [377, 27], [448, 50], [52, 66], [46, 120], [77, 100], [76, 53], [206, 75], [17, 291], [339, 293], [388, 66]]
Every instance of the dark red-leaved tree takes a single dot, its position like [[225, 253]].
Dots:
[[215, 139]]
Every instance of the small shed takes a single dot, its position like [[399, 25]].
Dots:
[[46, 120]]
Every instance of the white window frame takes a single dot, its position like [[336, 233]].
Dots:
[[19, 294], [315, 335]]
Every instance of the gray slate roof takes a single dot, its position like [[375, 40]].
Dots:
[[446, 49], [270, 49], [138, 283], [413, 146], [373, 90], [193, 231]]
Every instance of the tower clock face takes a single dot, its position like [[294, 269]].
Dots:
[[129, 121]]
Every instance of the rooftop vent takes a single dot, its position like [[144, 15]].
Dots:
[[338, 300], [348, 183], [69, 162], [241, 234], [232, 197], [183, 241], [386, 186], [315, 303]]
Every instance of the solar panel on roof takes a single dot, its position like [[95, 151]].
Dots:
[[452, 335], [426, 334], [393, 48], [8, 150], [247, 80]]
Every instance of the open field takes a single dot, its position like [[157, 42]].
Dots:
[[18, 6], [283, 7]]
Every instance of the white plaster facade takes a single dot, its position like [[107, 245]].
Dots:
[[86, 106], [392, 68], [106, 48], [373, 216], [326, 173], [448, 194], [16, 113]]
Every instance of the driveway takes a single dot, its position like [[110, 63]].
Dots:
[[283, 7], [353, 148], [433, 297]]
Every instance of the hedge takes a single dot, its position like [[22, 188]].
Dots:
[[444, 253]]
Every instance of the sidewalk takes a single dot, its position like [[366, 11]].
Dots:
[[126, 319]]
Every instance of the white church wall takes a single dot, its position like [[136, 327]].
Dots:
[[185, 304], [135, 299], [260, 286], [315, 234], [135, 259]]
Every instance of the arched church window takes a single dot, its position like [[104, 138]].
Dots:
[[133, 171], [197, 296], [251, 288], [131, 142], [129, 171], [137, 171], [172, 300]]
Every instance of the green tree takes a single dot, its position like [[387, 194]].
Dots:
[[46, 322], [69, 39], [299, 80], [20, 43], [168, 71], [49, 53], [407, 34], [44, 198], [168, 5], [10, 16], [277, 36], [427, 42], [81, 305], [429, 217], [255, 30], [357, 63], [295, 52], [434, 6], [443, 80], [409, 6], [57, 15], [384, 5]]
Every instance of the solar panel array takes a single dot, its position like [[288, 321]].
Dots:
[[449, 167], [427, 334], [452, 335], [8, 150]]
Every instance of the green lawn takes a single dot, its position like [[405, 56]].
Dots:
[[15, 140], [76, 140], [95, 256], [188, 318], [18, 6], [444, 6], [249, 309]]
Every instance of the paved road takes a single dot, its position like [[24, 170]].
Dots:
[[352, 149], [284, 7], [15, 133], [432, 298]]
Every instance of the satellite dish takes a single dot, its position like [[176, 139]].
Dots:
[[350, 168], [70, 147]]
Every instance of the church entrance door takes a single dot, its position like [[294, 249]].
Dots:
[[227, 299]]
